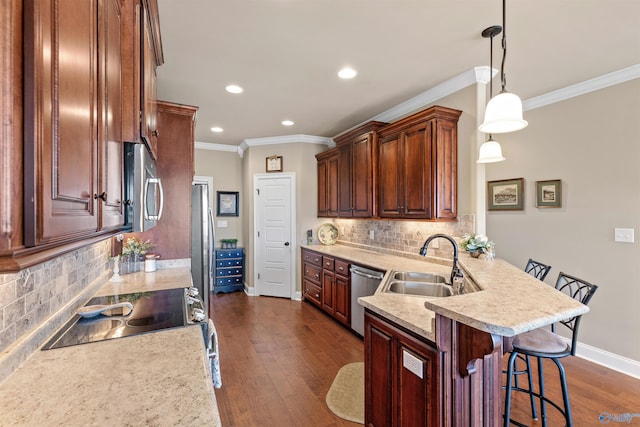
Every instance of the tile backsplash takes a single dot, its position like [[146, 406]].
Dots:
[[402, 237], [29, 297]]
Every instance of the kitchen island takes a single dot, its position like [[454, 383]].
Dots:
[[153, 379], [438, 361]]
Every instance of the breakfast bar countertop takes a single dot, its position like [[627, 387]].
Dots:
[[497, 306], [160, 378]]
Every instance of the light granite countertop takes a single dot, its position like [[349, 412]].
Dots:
[[155, 379], [507, 300]]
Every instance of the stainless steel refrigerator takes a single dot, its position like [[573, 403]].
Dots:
[[202, 241]]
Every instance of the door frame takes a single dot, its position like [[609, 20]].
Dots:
[[292, 255]]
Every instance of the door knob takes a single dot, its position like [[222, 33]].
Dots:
[[286, 243], [102, 196]]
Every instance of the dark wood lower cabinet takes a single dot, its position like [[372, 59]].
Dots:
[[411, 381], [402, 377]]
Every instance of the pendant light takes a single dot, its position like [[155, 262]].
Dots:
[[490, 151], [504, 112]]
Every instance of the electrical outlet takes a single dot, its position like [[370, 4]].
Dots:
[[412, 363], [623, 235], [342, 230], [371, 234]]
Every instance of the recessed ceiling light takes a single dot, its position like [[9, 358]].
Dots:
[[234, 89], [287, 122], [216, 129], [347, 73]]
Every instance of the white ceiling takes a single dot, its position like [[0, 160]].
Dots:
[[286, 53]]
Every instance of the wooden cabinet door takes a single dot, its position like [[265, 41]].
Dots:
[[328, 283], [379, 359], [323, 189], [390, 191], [110, 185], [332, 186], [341, 299], [149, 128], [362, 176], [417, 171], [446, 152], [345, 205], [61, 146]]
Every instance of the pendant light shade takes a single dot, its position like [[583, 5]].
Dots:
[[504, 111], [490, 152], [503, 114]]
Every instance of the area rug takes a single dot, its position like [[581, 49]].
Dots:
[[345, 397]]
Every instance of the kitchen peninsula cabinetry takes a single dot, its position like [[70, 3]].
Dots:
[[326, 283], [72, 120], [403, 369], [417, 168]]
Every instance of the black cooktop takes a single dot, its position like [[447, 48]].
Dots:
[[152, 311]]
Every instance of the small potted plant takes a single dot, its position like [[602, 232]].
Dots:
[[477, 245], [229, 243], [133, 252]]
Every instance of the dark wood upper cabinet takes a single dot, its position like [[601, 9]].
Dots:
[[61, 120], [354, 179], [417, 174]]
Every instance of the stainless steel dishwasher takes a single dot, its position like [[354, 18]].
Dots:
[[364, 282]]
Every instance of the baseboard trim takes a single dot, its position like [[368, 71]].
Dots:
[[297, 296], [610, 360], [250, 290]]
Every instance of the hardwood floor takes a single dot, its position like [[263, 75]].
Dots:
[[279, 357]]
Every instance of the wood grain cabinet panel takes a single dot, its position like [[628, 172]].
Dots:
[[394, 394], [73, 101], [417, 167]]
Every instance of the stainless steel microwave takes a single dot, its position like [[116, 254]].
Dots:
[[142, 189]]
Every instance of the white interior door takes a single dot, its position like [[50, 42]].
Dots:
[[274, 234]]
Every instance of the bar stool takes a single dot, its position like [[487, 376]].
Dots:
[[544, 344], [537, 269]]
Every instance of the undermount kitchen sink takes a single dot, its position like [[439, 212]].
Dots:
[[419, 277], [424, 289]]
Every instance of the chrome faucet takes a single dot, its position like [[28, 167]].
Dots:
[[456, 273]]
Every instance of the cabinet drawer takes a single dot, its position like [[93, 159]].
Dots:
[[312, 258], [312, 293], [342, 268], [328, 263], [220, 263], [236, 271], [235, 280], [229, 253], [312, 272]]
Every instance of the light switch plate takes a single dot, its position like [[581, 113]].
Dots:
[[371, 234], [412, 363], [222, 223], [624, 235]]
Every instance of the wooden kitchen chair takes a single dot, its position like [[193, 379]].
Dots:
[[546, 344]]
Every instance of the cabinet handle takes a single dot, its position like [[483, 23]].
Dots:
[[317, 276], [341, 269], [102, 196], [155, 133], [318, 296], [286, 243], [317, 259]]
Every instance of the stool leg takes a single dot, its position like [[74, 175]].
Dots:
[[534, 413], [507, 398], [543, 405], [565, 392]]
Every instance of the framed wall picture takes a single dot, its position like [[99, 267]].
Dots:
[[506, 194], [549, 193], [227, 203], [274, 164]]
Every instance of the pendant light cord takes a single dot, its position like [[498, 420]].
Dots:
[[503, 77]]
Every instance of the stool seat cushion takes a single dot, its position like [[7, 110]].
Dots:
[[540, 341]]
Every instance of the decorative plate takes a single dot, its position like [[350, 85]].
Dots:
[[328, 234]]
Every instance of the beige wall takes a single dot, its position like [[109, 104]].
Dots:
[[298, 158], [226, 170], [591, 143]]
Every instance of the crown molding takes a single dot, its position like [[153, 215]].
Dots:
[[217, 147], [582, 88]]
